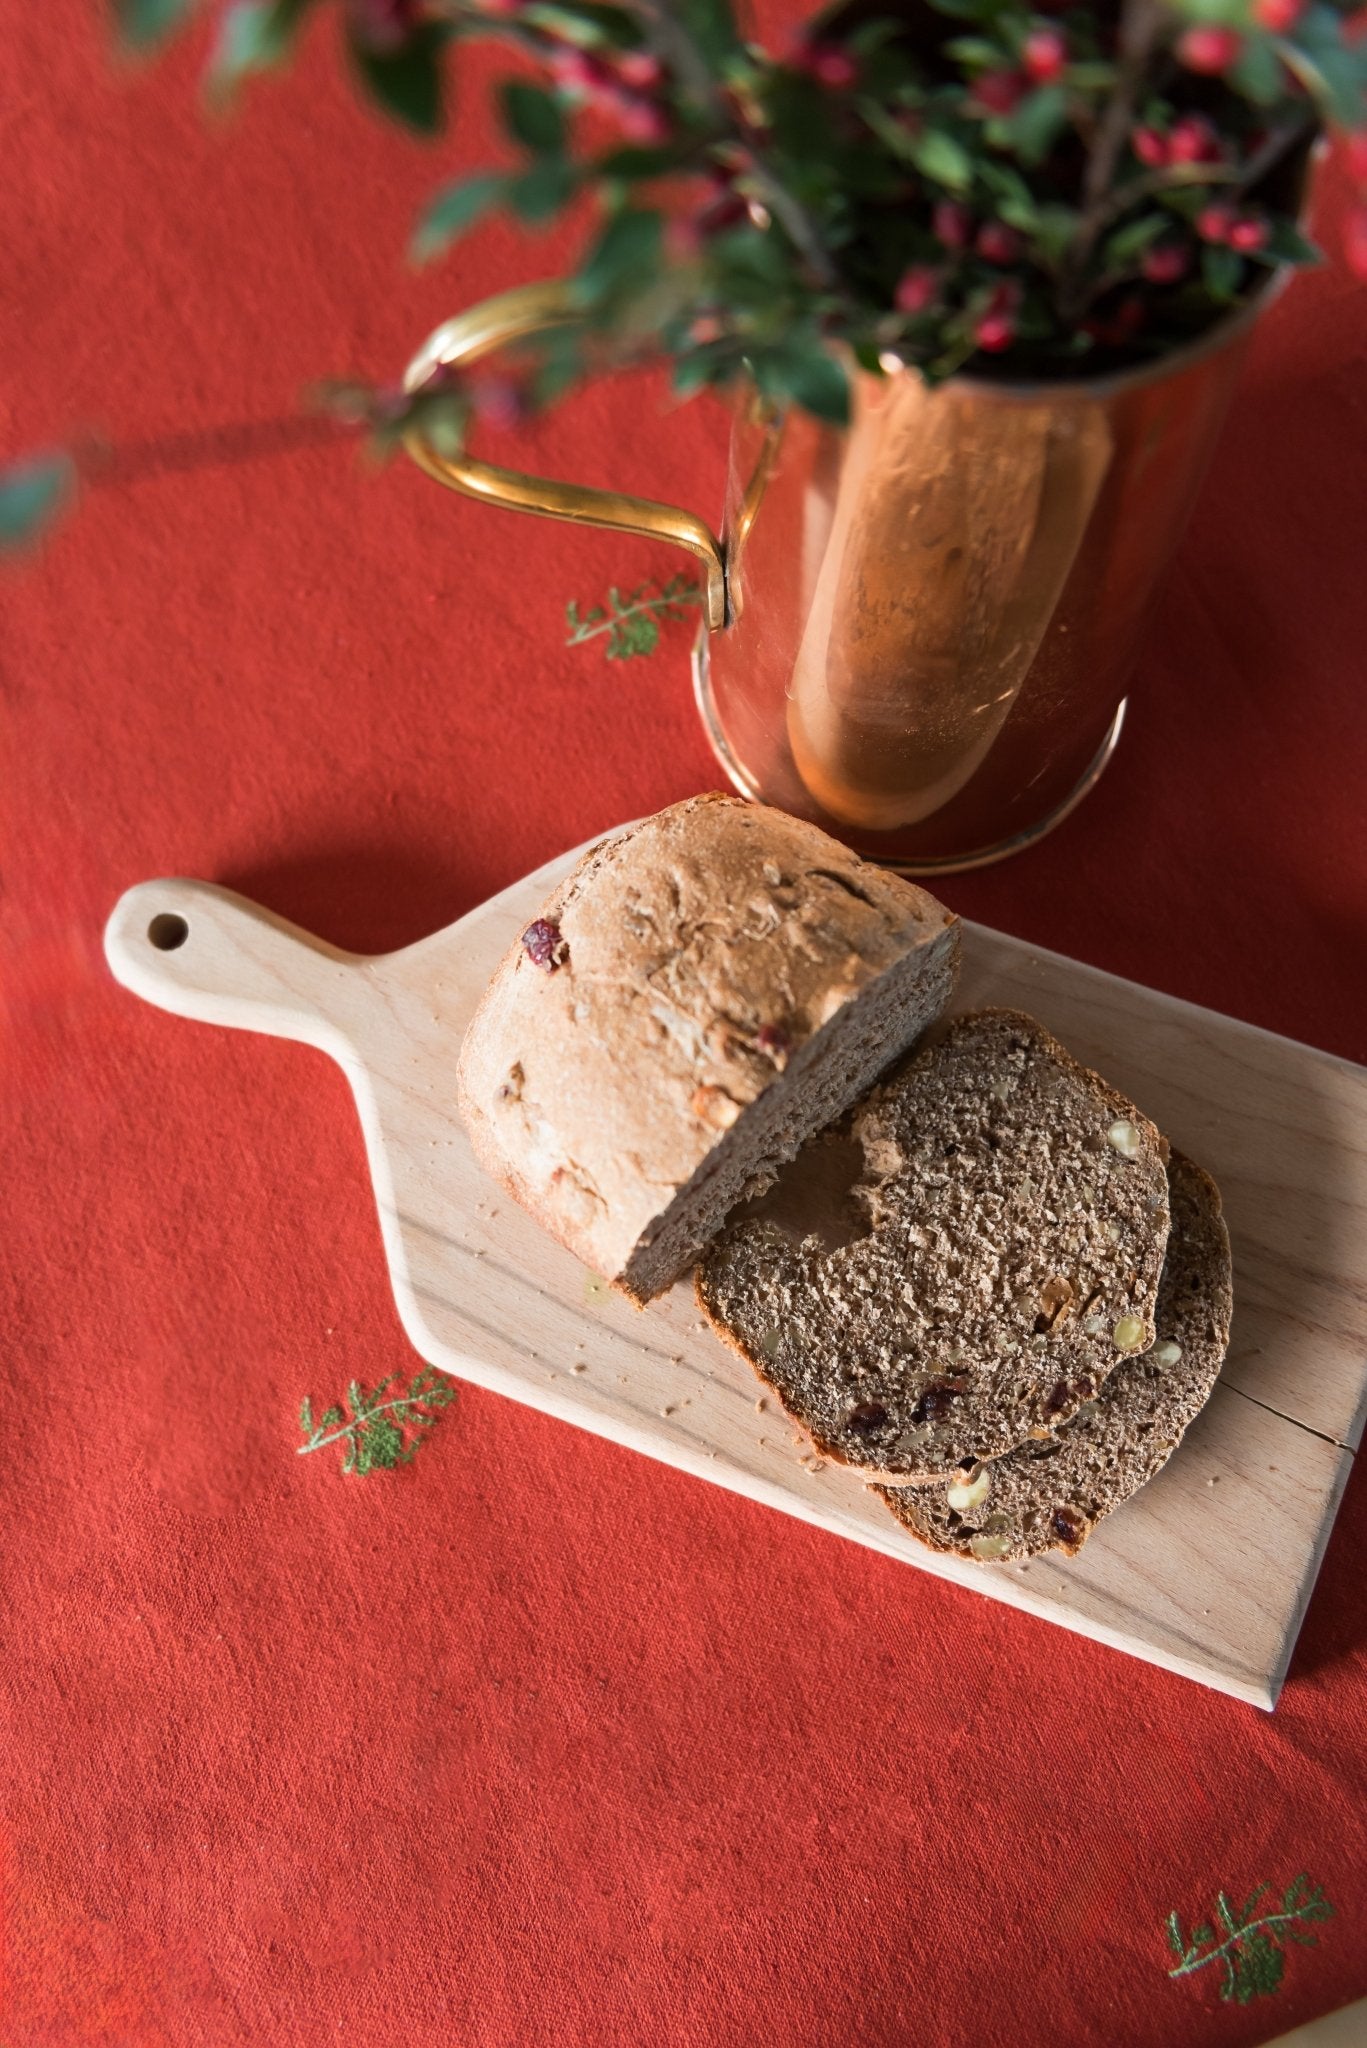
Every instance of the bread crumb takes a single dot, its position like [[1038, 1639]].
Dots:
[[760, 1405], [579, 1366], [666, 1411]]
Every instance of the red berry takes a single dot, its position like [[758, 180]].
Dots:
[[833, 68], [994, 332], [1213, 223], [1277, 16], [639, 68], [382, 25], [998, 92], [1044, 55], [918, 288], [1150, 147], [1165, 263], [580, 72], [544, 946], [1248, 234], [1355, 240], [1193, 141], [1357, 156], [726, 212], [683, 239], [499, 401], [997, 326], [997, 243], [774, 1040], [1209, 49], [951, 224], [642, 120]]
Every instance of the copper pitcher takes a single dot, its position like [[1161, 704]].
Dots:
[[917, 630]]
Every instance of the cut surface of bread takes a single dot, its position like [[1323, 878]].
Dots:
[[704, 991], [1049, 1495], [1015, 1215]]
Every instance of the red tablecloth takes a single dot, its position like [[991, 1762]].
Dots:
[[535, 1740]]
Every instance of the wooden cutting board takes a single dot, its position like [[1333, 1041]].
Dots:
[[1206, 1572]]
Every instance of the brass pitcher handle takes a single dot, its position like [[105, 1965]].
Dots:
[[512, 316]]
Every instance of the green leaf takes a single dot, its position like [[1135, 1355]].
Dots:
[[539, 192], [1222, 270], [1175, 1942], [629, 164], [1090, 77], [533, 117], [330, 1418], [1015, 202], [1288, 245], [142, 24], [32, 493], [1257, 73], [253, 36], [712, 26], [939, 157], [306, 1416], [1054, 230], [1036, 124], [625, 253], [453, 212], [1128, 243], [975, 51], [809, 376], [406, 82], [1333, 71]]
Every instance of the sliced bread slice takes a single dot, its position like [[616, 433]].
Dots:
[[704, 991], [1050, 1495], [1016, 1217]]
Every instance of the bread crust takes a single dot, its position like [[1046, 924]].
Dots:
[[691, 961]]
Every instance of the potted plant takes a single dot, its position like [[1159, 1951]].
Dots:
[[979, 276]]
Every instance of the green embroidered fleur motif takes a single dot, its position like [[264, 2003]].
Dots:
[[378, 1434], [1252, 1954]]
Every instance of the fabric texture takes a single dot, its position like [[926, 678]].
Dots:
[[532, 1739]]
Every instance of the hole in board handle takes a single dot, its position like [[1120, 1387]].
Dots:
[[167, 931]]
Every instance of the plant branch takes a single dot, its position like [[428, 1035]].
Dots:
[[1172, 178], [1140, 23]]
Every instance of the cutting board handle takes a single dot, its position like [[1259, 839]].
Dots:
[[203, 952]]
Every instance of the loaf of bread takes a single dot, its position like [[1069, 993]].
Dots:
[[701, 994], [1050, 1494], [1014, 1222]]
